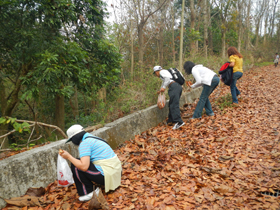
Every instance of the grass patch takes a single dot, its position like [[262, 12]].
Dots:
[[224, 102], [263, 64]]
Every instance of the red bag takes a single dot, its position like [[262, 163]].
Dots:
[[161, 100]]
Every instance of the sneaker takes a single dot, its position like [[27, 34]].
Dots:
[[211, 114], [178, 125], [86, 197], [195, 118]]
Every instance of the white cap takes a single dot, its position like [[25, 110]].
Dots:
[[157, 68], [73, 130]]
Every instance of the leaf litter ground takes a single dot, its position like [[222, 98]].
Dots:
[[223, 162]]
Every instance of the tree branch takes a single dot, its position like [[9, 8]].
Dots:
[[46, 125], [39, 123]]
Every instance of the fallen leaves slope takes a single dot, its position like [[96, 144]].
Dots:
[[224, 161], [220, 162]]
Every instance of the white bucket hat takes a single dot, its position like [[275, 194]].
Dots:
[[73, 130]]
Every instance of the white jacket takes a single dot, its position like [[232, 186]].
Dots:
[[202, 75]]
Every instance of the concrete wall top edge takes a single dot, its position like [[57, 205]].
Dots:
[[35, 151]]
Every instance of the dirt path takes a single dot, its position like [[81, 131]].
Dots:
[[228, 161]]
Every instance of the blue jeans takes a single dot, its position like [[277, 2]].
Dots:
[[204, 100], [233, 89]]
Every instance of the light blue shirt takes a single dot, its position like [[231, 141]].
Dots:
[[96, 149]]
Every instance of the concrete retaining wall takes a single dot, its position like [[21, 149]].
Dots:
[[37, 167]]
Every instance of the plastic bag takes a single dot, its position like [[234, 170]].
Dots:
[[64, 173], [161, 100]]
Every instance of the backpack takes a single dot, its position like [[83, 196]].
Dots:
[[177, 76], [226, 73]]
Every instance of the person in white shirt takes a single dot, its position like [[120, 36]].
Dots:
[[206, 78], [174, 92]]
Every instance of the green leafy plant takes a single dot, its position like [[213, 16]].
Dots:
[[19, 127], [224, 102], [14, 146]]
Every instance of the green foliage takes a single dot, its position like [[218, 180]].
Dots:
[[61, 65], [16, 147], [19, 127], [194, 35], [213, 62], [50, 48], [123, 100], [224, 102]]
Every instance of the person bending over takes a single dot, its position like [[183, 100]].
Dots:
[[97, 163]]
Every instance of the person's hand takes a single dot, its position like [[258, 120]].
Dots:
[[64, 154], [188, 83], [162, 89]]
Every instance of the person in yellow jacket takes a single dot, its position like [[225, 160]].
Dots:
[[97, 163], [236, 61]]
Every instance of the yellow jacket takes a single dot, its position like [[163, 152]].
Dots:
[[238, 63]]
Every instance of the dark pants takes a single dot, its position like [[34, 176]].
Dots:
[[174, 92], [84, 179]]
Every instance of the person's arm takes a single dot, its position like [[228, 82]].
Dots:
[[82, 164], [197, 78], [232, 61], [165, 83], [231, 64]]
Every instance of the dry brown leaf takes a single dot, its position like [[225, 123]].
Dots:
[[224, 189], [24, 201]]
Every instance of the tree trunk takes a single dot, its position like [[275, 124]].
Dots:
[[161, 31], [205, 29], [3, 99], [74, 104], [132, 50], [142, 17], [102, 94], [141, 46], [248, 26], [59, 112], [273, 17], [193, 45], [223, 43], [158, 52], [181, 37], [173, 36], [210, 37], [240, 6], [257, 34], [265, 28], [4, 142]]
